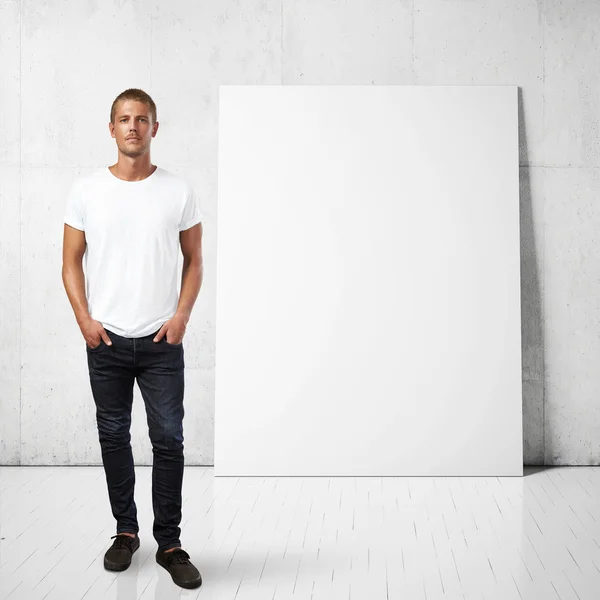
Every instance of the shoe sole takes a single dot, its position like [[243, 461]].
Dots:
[[111, 566], [190, 585]]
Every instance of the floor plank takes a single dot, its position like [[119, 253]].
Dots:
[[278, 538]]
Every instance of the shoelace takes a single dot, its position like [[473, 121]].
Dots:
[[178, 556], [123, 541]]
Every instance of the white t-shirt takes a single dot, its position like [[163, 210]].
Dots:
[[132, 234]]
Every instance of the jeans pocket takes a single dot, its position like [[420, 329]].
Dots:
[[96, 348]]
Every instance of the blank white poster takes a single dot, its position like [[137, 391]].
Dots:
[[368, 281]]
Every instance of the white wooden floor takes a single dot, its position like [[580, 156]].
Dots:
[[363, 538]]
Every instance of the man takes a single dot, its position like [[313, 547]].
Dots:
[[129, 221]]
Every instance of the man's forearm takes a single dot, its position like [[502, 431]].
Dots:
[[191, 282], [74, 281]]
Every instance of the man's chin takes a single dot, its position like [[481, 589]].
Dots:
[[131, 154]]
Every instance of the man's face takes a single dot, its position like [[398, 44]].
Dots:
[[133, 128]]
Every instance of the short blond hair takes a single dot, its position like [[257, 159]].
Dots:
[[133, 94]]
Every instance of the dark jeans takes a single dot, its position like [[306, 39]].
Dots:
[[159, 370]]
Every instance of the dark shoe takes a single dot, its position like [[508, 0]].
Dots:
[[182, 571], [118, 556]]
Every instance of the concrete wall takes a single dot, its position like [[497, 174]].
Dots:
[[62, 62]]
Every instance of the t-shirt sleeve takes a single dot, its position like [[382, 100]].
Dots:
[[74, 209], [192, 214]]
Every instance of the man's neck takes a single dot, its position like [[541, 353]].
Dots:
[[129, 172]]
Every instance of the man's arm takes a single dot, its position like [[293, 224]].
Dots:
[[193, 270], [72, 271]]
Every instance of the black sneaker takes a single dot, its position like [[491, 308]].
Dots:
[[182, 571], [118, 556]]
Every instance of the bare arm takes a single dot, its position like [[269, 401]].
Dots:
[[74, 281], [72, 271], [191, 281], [193, 270]]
